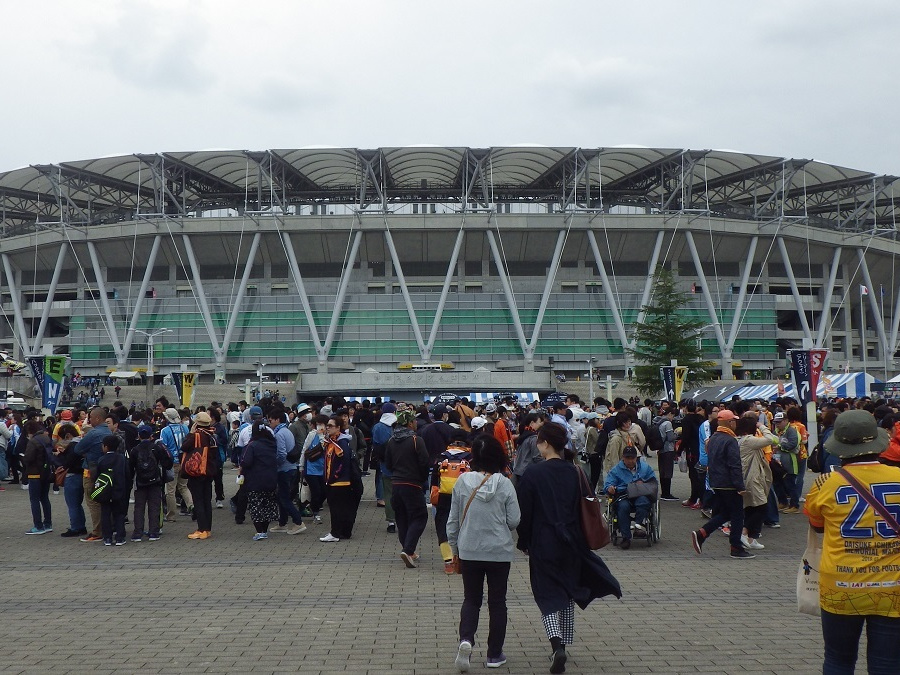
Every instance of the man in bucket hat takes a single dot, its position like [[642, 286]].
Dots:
[[858, 579]]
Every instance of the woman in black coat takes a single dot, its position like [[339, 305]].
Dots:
[[563, 569], [259, 470]]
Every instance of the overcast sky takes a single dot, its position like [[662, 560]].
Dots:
[[804, 79]]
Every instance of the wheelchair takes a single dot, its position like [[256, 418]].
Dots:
[[652, 531]]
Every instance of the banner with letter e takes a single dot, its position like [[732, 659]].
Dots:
[[49, 372]]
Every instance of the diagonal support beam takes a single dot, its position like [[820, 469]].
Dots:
[[200, 296], [51, 293], [825, 316], [507, 291], [445, 291], [342, 292], [873, 303], [648, 285], [548, 287], [742, 294], [711, 307], [242, 291], [404, 290], [17, 306], [104, 302], [798, 301], [610, 296], [304, 297], [139, 302]]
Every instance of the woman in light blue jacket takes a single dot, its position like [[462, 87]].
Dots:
[[483, 512]]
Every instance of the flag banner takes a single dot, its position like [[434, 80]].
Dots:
[[800, 368], [667, 373], [176, 382], [37, 369], [187, 389], [863, 290], [680, 375], [54, 373], [816, 366]]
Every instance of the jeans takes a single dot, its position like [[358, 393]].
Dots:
[[73, 490], [39, 495], [379, 489], [641, 506], [4, 465], [842, 632], [729, 506], [798, 483], [411, 515], [474, 573], [286, 506], [772, 514]]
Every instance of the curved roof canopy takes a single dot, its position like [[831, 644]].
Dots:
[[656, 180]]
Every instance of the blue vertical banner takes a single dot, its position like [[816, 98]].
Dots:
[[802, 372], [667, 373]]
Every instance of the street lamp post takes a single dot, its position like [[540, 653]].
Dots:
[[150, 336], [590, 365]]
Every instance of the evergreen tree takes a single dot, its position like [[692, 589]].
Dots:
[[666, 334]]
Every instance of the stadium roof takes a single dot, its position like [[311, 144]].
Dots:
[[656, 180]]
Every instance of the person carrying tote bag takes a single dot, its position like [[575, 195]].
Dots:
[[856, 508]]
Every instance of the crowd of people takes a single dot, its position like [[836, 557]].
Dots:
[[497, 476]]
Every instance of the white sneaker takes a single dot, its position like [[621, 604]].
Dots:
[[329, 537], [220, 504], [639, 527], [754, 544], [293, 528], [462, 656], [278, 528], [317, 518]]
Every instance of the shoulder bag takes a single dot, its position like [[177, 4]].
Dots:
[[456, 567], [593, 524]]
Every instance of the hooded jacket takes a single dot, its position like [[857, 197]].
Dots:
[[486, 532], [406, 457]]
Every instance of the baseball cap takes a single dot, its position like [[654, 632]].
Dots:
[[172, 416], [404, 417], [629, 451], [478, 422], [145, 431], [777, 417], [439, 410], [256, 411], [65, 415], [725, 415], [388, 408], [490, 408]]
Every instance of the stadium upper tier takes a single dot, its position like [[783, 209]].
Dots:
[[443, 180]]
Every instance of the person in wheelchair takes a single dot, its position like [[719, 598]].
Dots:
[[631, 470]]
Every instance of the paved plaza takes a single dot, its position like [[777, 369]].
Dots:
[[289, 604]]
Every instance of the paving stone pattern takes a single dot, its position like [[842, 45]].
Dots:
[[294, 604]]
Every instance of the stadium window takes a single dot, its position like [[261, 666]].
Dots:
[[279, 289], [569, 287]]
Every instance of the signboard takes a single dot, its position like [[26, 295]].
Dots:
[[801, 370], [49, 372], [667, 373], [680, 375], [816, 366], [184, 387]]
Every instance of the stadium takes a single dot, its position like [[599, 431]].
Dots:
[[441, 268]]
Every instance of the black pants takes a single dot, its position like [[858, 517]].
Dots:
[[112, 519], [753, 519], [595, 461], [316, 492], [14, 464], [149, 498], [220, 488], [201, 493], [240, 504], [441, 516], [698, 480], [666, 471], [410, 515], [729, 506], [343, 503], [474, 573]]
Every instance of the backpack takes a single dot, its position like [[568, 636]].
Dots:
[[103, 487], [147, 469], [654, 436], [197, 463], [450, 469]]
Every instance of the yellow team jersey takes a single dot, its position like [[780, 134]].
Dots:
[[860, 569]]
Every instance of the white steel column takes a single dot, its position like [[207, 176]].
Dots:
[[104, 301], [242, 290], [507, 291], [200, 295], [825, 316], [648, 285], [17, 306], [398, 271], [610, 296], [342, 292], [139, 302], [51, 293], [548, 287], [711, 308], [445, 290], [873, 303], [895, 327], [304, 298], [798, 301], [742, 294]]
